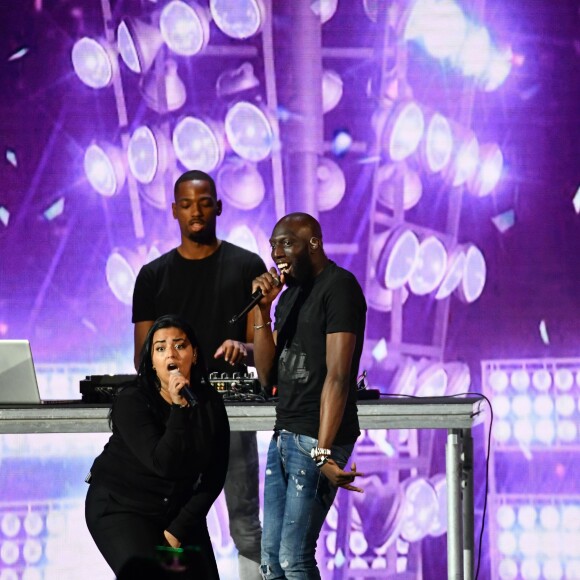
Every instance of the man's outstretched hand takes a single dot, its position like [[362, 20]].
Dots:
[[232, 351], [340, 478]]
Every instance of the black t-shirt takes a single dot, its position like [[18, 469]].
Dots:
[[334, 302], [206, 293]]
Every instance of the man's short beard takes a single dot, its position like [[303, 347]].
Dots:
[[203, 237], [303, 273]]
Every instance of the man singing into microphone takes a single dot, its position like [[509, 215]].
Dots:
[[207, 281], [312, 357]]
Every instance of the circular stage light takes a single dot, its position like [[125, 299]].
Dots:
[[94, 63], [563, 379], [520, 380], [395, 179], [502, 431], [464, 161], [522, 406], [489, 170], [332, 88], [104, 168], [542, 380], [498, 381], [501, 406], [198, 144], [453, 274], [249, 131], [474, 275], [147, 154], [121, 272], [238, 19], [184, 27], [138, 43], [241, 184], [430, 266], [331, 184], [437, 146], [397, 259], [432, 382], [506, 516], [403, 131], [420, 509]]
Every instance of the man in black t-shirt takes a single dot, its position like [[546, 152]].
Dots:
[[207, 281], [312, 358]]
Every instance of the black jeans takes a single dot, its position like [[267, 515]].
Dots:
[[124, 535]]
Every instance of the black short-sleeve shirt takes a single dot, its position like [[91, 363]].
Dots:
[[206, 293], [334, 302]]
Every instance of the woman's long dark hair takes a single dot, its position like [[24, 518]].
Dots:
[[147, 379]]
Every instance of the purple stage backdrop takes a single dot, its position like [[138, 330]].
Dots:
[[437, 141]]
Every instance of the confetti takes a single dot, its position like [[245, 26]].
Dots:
[[504, 221], [4, 215], [11, 157], [576, 201], [544, 332], [341, 143], [54, 210], [380, 351], [370, 159], [18, 54], [86, 322]]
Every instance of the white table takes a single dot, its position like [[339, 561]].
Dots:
[[456, 415]]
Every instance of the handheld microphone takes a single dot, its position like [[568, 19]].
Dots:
[[255, 298], [186, 391]]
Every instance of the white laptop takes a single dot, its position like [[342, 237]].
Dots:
[[18, 384]]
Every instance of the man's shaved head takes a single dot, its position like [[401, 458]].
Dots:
[[301, 224]]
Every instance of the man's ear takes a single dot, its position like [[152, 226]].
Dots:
[[314, 243], [218, 207], [174, 210]]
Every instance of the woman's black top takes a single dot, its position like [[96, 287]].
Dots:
[[167, 460]]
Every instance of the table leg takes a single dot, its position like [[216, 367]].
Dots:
[[468, 546], [454, 507]]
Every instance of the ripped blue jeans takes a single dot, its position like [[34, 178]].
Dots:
[[297, 498]]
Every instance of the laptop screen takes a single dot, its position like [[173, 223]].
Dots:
[[18, 384]]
